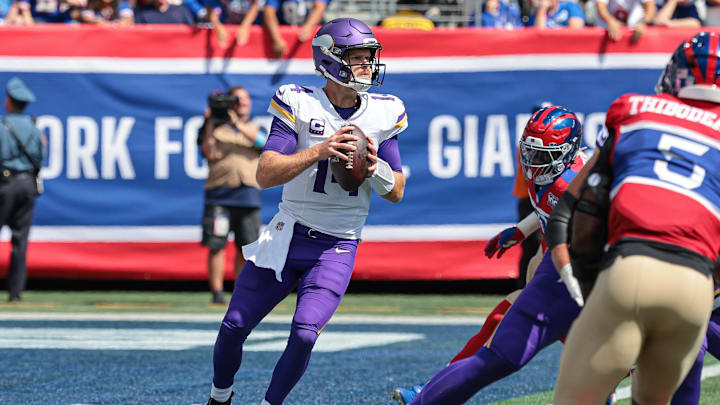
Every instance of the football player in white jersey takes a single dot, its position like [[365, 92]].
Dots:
[[311, 242]]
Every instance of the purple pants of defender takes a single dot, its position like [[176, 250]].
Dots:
[[689, 391], [320, 266], [541, 315]]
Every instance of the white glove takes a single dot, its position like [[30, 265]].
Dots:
[[572, 284]]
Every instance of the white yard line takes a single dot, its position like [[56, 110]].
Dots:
[[709, 371], [216, 318]]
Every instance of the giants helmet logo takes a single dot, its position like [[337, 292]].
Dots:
[[552, 200]]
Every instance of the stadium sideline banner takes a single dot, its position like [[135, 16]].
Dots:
[[121, 107]]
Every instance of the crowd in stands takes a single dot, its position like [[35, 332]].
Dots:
[[418, 14], [610, 14]]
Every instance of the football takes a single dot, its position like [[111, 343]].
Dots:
[[351, 173]]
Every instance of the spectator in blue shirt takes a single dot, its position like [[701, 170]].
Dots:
[[108, 12], [557, 14], [18, 14], [162, 12], [677, 13], [196, 8], [499, 14], [236, 12], [4, 9], [50, 11], [306, 13]]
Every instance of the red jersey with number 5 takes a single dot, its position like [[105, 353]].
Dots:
[[665, 159]]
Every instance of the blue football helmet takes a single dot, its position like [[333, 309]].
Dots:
[[330, 45], [549, 144], [694, 69]]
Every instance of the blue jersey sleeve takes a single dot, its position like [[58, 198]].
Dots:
[[197, 7], [124, 8], [574, 10]]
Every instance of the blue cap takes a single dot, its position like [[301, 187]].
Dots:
[[17, 90]]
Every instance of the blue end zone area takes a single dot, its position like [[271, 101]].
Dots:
[[94, 362]]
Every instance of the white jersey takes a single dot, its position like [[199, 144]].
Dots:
[[629, 12], [312, 197]]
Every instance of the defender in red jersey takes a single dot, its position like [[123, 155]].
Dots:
[[653, 188], [545, 309]]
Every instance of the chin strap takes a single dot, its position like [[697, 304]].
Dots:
[[357, 86]]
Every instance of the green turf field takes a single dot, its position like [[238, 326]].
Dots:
[[199, 302], [710, 392], [472, 306]]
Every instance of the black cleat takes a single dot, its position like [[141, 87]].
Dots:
[[212, 401]]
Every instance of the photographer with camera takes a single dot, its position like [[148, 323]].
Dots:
[[231, 143]]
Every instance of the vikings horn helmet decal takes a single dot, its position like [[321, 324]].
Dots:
[[330, 45]]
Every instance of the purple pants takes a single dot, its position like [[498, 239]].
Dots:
[[689, 391], [541, 315], [320, 266]]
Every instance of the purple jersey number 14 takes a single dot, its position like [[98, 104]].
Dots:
[[322, 172]]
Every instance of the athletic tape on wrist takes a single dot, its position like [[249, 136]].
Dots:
[[566, 270], [529, 224]]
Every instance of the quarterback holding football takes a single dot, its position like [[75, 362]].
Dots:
[[311, 242]]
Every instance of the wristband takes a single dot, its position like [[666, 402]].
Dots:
[[529, 224], [383, 180], [260, 139]]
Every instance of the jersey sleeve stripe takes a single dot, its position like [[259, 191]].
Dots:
[[681, 131], [281, 110], [401, 120], [707, 204], [281, 103]]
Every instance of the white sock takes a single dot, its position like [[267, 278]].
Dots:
[[220, 394], [264, 402]]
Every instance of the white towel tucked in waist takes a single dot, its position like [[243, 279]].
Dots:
[[271, 249]]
